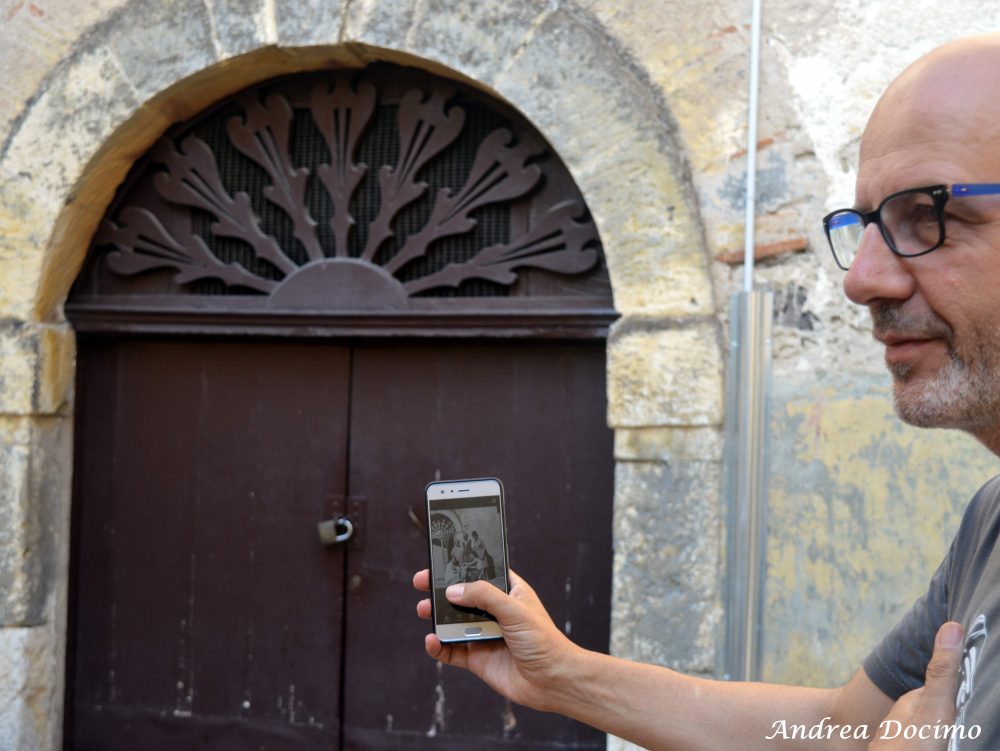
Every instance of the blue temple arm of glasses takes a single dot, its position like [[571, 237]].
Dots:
[[975, 189], [846, 219]]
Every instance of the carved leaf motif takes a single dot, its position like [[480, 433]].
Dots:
[[342, 114], [425, 129], [144, 244], [264, 137], [556, 243], [499, 173], [192, 179]]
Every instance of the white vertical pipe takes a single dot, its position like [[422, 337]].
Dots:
[[747, 407], [751, 197]]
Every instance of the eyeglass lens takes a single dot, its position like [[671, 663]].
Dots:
[[909, 222], [845, 229]]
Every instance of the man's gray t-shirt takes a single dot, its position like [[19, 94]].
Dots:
[[965, 588]]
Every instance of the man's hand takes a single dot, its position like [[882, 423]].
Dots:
[[526, 665], [930, 707]]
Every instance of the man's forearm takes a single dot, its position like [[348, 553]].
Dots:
[[663, 710], [654, 707]]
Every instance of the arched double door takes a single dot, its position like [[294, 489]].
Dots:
[[252, 362]]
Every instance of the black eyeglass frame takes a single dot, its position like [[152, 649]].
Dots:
[[939, 194]]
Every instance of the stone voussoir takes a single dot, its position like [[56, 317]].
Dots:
[[480, 40], [63, 131], [156, 44]]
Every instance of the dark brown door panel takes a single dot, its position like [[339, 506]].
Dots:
[[203, 596], [532, 415]]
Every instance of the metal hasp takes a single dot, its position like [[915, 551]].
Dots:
[[748, 382]]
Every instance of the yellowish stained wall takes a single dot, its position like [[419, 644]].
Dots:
[[862, 509]]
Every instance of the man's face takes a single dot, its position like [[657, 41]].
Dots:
[[938, 314]]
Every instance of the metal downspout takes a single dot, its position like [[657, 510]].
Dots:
[[747, 391]]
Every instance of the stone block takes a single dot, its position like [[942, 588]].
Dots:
[[653, 241], [665, 376], [30, 688], [36, 367], [477, 39], [26, 216], [667, 575], [18, 367], [26, 225], [20, 594], [34, 520], [307, 22], [34, 38], [242, 25], [61, 134], [379, 23], [157, 44], [18, 282], [54, 379]]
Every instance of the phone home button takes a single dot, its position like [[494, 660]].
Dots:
[[473, 631]]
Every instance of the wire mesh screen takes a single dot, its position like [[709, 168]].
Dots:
[[377, 150]]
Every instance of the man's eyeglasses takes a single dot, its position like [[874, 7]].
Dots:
[[911, 221]]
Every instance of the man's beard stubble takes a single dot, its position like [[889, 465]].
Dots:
[[963, 394]]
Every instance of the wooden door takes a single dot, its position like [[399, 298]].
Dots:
[[205, 612]]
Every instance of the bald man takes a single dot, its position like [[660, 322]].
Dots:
[[921, 249]]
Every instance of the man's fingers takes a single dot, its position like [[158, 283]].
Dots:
[[941, 680], [482, 595], [422, 580], [424, 609], [450, 654]]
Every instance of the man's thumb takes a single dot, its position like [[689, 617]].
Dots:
[[941, 680]]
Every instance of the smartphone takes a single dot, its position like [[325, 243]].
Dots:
[[467, 541]]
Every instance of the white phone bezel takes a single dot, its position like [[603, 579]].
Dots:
[[484, 487]]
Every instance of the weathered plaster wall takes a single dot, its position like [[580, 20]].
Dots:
[[645, 101], [861, 511]]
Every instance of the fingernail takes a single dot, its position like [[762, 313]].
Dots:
[[950, 636], [455, 591]]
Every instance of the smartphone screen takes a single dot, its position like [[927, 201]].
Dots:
[[467, 543]]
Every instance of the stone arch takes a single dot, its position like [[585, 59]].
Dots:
[[148, 64], [107, 104]]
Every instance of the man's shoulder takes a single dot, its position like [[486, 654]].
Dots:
[[981, 520], [987, 498]]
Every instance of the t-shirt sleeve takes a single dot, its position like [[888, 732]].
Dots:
[[898, 663]]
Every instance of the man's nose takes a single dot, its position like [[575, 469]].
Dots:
[[876, 273]]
